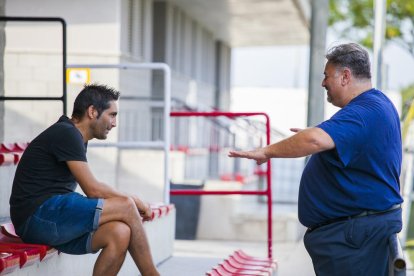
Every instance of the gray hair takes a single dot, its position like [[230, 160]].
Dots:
[[352, 56]]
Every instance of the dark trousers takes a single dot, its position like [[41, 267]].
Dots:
[[358, 246]]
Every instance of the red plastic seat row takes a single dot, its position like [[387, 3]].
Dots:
[[8, 236], [13, 147], [239, 263], [14, 253], [233, 177], [11, 158], [27, 255], [159, 210], [8, 262], [179, 148]]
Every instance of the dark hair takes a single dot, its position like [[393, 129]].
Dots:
[[97, 95], [352, 56]]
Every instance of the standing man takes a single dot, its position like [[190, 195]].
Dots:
[[45, 209], [349, 196]]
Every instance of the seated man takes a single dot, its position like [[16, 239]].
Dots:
[[45, 209]]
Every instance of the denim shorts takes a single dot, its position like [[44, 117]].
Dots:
[[66, 222]]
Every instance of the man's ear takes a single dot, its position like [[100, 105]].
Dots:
[[346, 76], [92, 112]]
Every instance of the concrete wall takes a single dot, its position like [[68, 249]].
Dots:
[[189, 49], [33, 57]]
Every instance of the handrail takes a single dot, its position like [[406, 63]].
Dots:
[[267, 192], [63, 98], [397, 265]]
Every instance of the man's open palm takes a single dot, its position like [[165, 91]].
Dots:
[[258, 155]]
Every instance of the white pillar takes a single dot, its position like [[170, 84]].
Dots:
[[379, 35]]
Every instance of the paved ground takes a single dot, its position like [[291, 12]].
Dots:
[[193, 258]]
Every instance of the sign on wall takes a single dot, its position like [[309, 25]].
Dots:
[[78, 75]]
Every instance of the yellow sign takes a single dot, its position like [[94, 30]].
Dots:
[[78, 75]]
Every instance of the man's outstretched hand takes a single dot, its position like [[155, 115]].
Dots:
[[258, 155]]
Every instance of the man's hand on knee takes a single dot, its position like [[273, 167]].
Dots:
[[143, 208]]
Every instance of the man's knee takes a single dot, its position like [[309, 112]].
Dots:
[[119, 209], [115, 235], [121, 235]]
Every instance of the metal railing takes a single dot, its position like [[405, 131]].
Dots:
[[396, 264], [267, 192], [63, 98]]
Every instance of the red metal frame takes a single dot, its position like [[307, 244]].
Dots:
[[267, 192]]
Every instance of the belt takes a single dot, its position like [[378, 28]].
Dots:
[[363, 214]]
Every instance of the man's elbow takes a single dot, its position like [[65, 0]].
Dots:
[[320, 141]]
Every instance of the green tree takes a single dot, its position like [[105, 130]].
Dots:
[[355, 19], [407, 96]]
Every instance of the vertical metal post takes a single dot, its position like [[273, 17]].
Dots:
[[167, 131], [379, 35], [319, 25], [2, 49], [269, 193], [64, 61], [397, 265]]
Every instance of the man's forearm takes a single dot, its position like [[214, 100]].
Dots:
[[107, 191], [102, 190], [305, 142]]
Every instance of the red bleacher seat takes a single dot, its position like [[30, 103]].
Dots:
[[232, 262], [239, 263], [223, 271], [13, 147], [28, 255], [9, 239], [10, 153], [156, 213], [160, 209], [246, 271], [8, 262], [7, 159], [20, 146], [236, 260], [240, 254], [7, 147]]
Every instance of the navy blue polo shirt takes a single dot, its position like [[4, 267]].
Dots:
[[362, 171]]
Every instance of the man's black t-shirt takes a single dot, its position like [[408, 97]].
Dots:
[[42, 171]]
